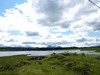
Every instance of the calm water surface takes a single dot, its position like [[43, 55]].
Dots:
[[43, 53]]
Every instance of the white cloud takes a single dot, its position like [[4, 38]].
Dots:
[[69, 14], [47, 22]]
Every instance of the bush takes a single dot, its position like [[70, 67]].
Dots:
[[66, 54], [60, 57], [66, 60], [75, 54], [98, 57], [84, 70], [69, 65], [56, 63], [6, 67], [21, 63]]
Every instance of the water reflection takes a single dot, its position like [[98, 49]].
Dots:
[[43, 53]]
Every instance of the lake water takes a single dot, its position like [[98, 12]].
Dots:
[[42, 53]]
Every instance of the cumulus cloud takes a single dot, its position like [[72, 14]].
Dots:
[[82, 40], [52, 22], [32, 33], [55, 43], [95, 24], [52, 9], [29, 43], [10, 40]]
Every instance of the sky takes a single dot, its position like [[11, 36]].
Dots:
[[42, 23]]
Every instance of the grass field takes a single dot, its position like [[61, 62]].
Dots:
[[97, 49], [57, 64], [91, 48]]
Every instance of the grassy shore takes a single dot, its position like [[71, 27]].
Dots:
[[91, 49], [56, 64], [97, 49]]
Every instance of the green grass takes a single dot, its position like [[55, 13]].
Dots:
[[91, 49], [60, 64], [46, 49]]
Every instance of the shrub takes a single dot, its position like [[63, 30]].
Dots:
[[56, 63], [60, 57], [75, 54], [84, 69], [66, 60], [39, 62], [66, 54], [21, 63], [69, 65], [6, 67], [83, 54], [98, 57]]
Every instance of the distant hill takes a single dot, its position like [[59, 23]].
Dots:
[[43, 48], [34, 48]]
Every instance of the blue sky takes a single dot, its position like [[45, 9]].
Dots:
[[7, 4], [39, 23], [94, 34]]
